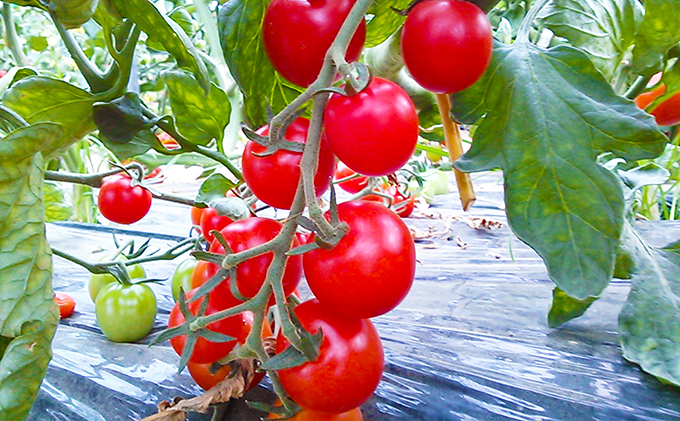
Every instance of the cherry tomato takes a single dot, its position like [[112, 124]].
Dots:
[[355, 185], [125, 312], [66, 304], [375, 131], [206, 351], [99, 280], [371, 269], [349, 366], [251, 274], [196, 214], [120, 202], [181, 278], [667, 113], [446, 44], [274, 178], [201, 372], [211, 220], [311, 415], [297, 33]]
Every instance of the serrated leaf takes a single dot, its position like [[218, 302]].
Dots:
[[213, 187], [57, 205], [42, 99], [549, 113], [604, 29], [167, 32], [28, 313], [565, 308], [199, 119], [239, 23], [658, 33], [289, 358], [384, 21], [649, 323]]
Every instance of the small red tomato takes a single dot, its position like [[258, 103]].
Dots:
[[66, 304], [375, 131], [211, 220], [355, 185], [196, 214], [120, 202]]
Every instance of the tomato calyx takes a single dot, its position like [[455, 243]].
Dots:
[[274, 142]]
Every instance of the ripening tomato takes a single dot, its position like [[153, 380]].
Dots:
[[120, 202], [297, 33], [212, 220], [66, 304], [181, 277], [355, 185], [667, 113], [446, 44], [206, 351], [274, 178], [251, 274], [371, 269], [375, 131], [349, 366], [196, 214], [311, 415]]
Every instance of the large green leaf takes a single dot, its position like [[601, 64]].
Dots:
[[57, 205], [168, 33], [658, 33], [384, 21], [649, 323], [199, 119], [240, 23], [28, 313], [604, 29], [549, 113], [38, 99]]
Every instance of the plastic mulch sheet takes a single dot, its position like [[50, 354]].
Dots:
[[470, 342]]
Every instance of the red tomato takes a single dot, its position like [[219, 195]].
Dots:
[[66, 304], [274, 178], [120, 202], [311, 415], [668, 112], [206, 351], [251, 274], [375, 131], [222, 293], [371, 269], [201, 372], [297, 33], [354, 185], [349, 366], [196, 214], [446, 44], [211, 220]]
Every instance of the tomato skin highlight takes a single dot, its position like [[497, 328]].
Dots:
[[375, 131], [297, 33], [446, 44], [125, 313], [349, 366], [66, 304], [274, 178], [371, 270], [119, 202]]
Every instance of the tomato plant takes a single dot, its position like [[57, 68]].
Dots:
[[274, 178], [66, 304], [362, 137], [206, 351], [125, 312], [438, 37], [297, 33], [212, 220], [349, 366], [181, 277], [354, 185], [121, 202], [373, 264], [99, 280]]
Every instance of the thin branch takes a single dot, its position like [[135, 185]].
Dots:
[[11, 38]]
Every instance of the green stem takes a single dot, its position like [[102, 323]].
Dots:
[[11, 38], [637, 87], [115, 268], [525, 27], [170, 254]]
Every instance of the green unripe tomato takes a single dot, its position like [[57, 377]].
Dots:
[[98, 281], [438, 180], [125, 313], [182, 276]]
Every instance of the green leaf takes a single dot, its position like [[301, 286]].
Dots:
[[384, 21], [549, 113], [121, 119], [604, 29], [239, 23], [565, 308], [214, 187], [32, 3], [28, 313], [73, 13], [57, 205], [167, 32], [139, 145], [38, 99], [199, 119], [649, 323], [658, 33]]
